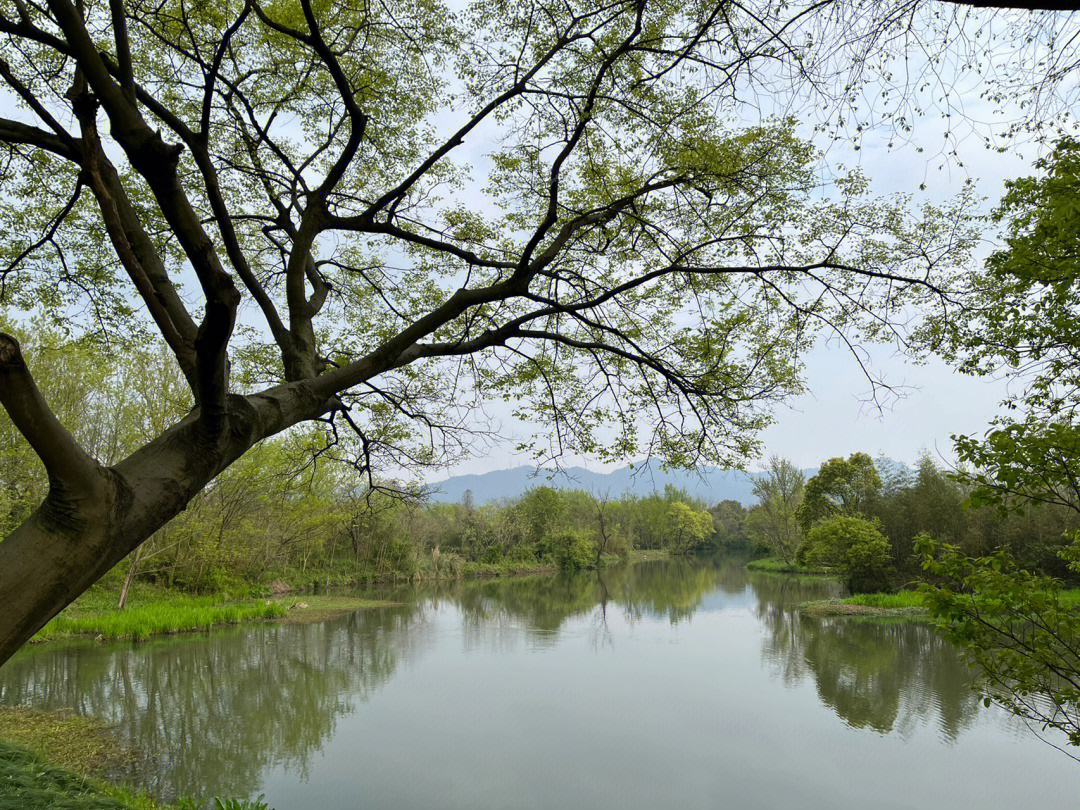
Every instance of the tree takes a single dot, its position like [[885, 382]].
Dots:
[[841, 487], [609, 532], [687, 526], [855, 547], [729, 517], [1016, 627], [275, 188], [923, 500], [1012, 622], [773, 521]]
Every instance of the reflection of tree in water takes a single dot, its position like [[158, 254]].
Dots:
[[496, 611], [673, 590], [212, 712], [886, 676]]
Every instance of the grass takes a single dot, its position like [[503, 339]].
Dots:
[[900, 599], [903, 604], [161, 612], [53, 761], [900, 605], [83, 744], [775, 565], [1071, 596], [29, 781], [177, 614]]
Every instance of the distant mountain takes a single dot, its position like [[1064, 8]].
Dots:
[[710, 483]]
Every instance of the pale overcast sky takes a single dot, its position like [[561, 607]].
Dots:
[[834, 418]]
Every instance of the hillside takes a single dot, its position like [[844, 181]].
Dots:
[[710, 483]]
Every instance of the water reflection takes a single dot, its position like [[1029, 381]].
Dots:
[[883, 675], [218, 709], [216, 712]]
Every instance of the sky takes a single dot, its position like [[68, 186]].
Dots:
[[835, 418]]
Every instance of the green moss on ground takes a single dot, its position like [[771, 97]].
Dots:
[[86, 745], [30, 781]]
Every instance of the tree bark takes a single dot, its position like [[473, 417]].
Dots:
[[69, 543]]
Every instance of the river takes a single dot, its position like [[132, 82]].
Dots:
[[683, 684]]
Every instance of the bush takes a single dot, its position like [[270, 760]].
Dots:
[[573, 550], [854, 547]]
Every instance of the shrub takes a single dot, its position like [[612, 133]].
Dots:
[[854, 547], [573, 550]]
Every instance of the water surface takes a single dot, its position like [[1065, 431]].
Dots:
[[689, 684]]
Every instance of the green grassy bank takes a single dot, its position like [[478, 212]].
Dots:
[[775, 565], [174, 613], [60, 760], [903, 604], [57, 760], [156, 611], [28, 781]]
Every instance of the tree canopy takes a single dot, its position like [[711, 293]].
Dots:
[[296, 198]]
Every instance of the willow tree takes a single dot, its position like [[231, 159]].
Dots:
[[384, 214]]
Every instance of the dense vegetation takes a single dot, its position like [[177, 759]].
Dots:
[[634, 270], [284, 512], [288, 512], [901, 504]]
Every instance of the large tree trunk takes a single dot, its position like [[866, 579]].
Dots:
[[72, 540]]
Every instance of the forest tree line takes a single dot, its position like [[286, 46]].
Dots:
[[286, 512], [877, 511]]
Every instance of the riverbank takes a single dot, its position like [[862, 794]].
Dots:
[[901, 605], [775, 565], [60, 760], [29, 781], [157, 611]]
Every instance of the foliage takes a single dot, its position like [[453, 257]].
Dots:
[[1024, 312], [729, 519], [258, 803], [689, 527], [1018, 627], [854, 547], [1006, 606], [277, 514], [282, 193], [773, 521], [778, 566], [841, 487], [573, 550]]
